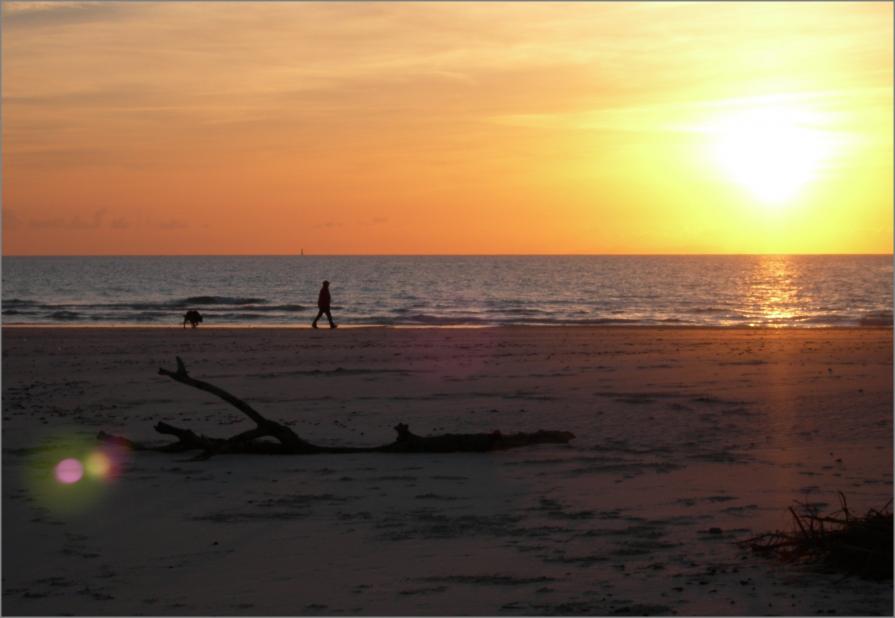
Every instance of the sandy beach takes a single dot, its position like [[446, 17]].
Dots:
[[687, 440]]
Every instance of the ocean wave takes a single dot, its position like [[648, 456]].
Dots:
[[232, 303], [216, 300], [206, 302], [65, 316], [19, 302], [590, 322], [273, 308], [441, 320], [876, 318], [830, 319], [513, 310], [152, 316], [179, 303], [699, 310], [291, 313], [235, 317]]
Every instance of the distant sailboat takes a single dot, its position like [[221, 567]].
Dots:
[[302, 252]]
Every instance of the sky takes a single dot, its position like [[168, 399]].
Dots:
[[446, 128]]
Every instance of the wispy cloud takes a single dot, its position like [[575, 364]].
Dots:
[[818, 108], [172, 224], [39, 15], [72, 223], [11, 220]]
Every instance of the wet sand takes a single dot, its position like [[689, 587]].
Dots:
[[687, 440]]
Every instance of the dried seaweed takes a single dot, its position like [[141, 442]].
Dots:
[[840, 541]]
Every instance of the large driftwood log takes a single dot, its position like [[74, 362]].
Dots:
[[288, 442]]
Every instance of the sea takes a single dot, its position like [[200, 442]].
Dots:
[[714, 291]]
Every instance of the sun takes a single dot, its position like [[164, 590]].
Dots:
[[773, 151]]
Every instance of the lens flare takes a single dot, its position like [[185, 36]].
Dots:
[[71, 474], [69, 471], [98, 465]]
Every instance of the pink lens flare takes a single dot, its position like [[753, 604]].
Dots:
[[69, 471]]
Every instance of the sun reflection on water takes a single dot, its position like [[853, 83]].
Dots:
[[774, 298]]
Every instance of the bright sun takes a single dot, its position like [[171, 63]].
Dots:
[[773, 151]]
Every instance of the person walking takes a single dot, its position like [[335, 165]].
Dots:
[[323, 304]]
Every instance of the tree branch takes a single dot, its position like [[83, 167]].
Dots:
[[181, 376]]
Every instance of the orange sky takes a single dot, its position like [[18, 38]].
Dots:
[[180, 128]]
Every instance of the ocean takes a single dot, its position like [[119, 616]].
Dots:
[[801, 291]]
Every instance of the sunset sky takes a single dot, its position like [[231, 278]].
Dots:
[[405, 128]]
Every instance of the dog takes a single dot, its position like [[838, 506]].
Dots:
[[193, 317]]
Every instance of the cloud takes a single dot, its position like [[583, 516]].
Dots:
[[11, 221], [273, 71], [71, 223], [172, 224], [56, 14], [121, 94], [685, 116], [98, 220]]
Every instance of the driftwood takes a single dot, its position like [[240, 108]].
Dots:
[[289, 443]]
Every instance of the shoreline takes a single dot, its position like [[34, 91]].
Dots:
[[610, 327]]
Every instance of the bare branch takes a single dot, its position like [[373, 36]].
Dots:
[[181, 376]]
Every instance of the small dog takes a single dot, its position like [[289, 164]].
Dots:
[[193, 317]]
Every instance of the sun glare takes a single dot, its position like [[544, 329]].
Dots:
[[772, 151]]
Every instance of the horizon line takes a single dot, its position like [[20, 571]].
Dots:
[[739, 254]]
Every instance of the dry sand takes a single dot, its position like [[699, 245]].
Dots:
[[679, 431]]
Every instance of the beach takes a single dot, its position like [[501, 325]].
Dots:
[[687, 440]]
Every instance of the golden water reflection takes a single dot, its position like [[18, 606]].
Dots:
[[773, 297]]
